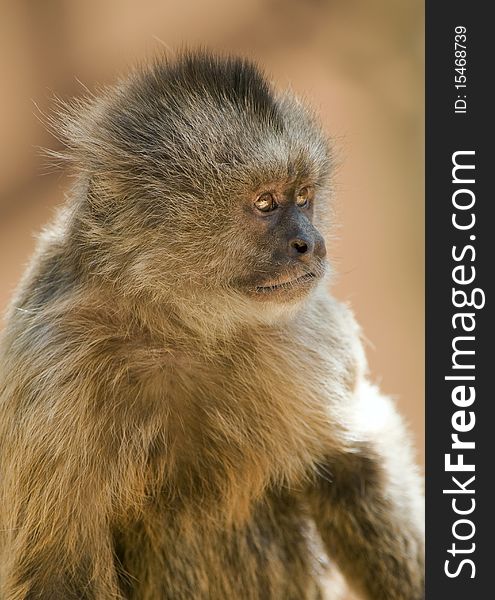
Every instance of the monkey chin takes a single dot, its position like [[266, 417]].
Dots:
[[275, 301], [286, 290]]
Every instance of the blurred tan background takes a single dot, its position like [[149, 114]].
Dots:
[[359, 62]]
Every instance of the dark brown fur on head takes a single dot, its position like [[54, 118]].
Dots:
[[174, 156]]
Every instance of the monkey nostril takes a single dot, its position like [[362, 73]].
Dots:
[[299, 246]]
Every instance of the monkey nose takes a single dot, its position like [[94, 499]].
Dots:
[[320, 249], [304, 248], [299, 247]]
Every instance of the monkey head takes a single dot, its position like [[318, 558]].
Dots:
[[201, 181]]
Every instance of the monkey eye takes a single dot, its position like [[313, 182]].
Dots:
[[265, 202], [303, 196]]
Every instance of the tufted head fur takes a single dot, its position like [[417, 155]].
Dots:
[[174, 156]]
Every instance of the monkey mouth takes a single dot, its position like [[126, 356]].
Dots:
[[288, 284]]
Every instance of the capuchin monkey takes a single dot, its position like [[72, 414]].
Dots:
[[185, 412]]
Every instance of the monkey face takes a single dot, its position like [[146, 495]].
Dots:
[[290, 251], [202, 184]]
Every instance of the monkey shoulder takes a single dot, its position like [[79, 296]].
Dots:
[[330, 340]]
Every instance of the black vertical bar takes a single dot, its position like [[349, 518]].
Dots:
[[447, 132]]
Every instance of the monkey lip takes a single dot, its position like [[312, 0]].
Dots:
[[287, 284]]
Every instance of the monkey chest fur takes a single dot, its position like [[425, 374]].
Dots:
[[271, 555], [242, 434]]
